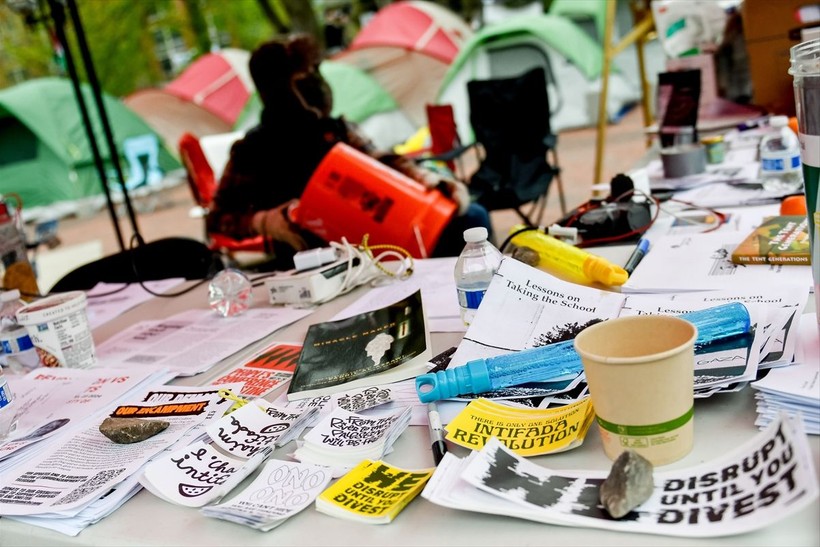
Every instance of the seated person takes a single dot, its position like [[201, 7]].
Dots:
[[270, 167]]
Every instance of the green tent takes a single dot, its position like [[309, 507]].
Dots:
[[45, 156]]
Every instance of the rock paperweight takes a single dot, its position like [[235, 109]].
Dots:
[[131, 430], [628, 485]]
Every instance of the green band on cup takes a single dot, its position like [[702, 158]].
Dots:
[[643, 430]]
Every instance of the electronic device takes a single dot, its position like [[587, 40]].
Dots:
[[310, 286], [622, 216]]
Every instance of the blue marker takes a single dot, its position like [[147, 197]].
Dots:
[[637, 255]]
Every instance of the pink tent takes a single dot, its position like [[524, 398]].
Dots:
[[171, 116], [407, 47], [218, 82], [206, 99]]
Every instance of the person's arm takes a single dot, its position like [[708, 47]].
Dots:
[[231, 212]]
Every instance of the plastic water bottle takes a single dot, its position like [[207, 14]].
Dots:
[[8, 418], [15, 269], [230, 293], [780, 169], [475, 267]]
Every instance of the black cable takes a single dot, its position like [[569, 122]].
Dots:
[[515, 233]]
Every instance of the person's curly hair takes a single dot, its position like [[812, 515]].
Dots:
[[285, 71]]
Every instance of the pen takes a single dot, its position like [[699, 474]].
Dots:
[[436, 433], [637, 255]]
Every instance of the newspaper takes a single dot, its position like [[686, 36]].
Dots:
[[763, 481], [80, 468], [193, 341], [109, 300], [51, 401]]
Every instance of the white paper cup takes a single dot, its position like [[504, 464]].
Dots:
[[58, 327], [640, 372]]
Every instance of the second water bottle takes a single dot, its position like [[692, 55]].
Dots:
[[475, 267]]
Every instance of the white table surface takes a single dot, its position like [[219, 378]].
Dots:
[[721, 423]]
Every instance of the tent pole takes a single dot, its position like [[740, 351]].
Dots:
[[58, 15], [113, 153], [638, 34]]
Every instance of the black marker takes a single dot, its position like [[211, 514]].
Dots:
[[637, 255], [438, 445]]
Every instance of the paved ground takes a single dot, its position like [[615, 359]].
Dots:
[[166, 214]]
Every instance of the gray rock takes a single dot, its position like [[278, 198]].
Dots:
[[628, 485], [131, 430]]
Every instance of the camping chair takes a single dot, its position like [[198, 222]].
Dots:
[[510, 118], [203, 185]]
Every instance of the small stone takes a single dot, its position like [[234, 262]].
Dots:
[[527, 255], [628, 485], [131, 430]]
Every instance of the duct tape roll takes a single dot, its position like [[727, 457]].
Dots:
[[683, 160]]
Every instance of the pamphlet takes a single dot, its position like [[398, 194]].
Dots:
[[281, 490], [343, 438], [374, 492], [265, 371], [527, 431], [782, 239]]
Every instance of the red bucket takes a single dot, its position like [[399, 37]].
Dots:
[[351, 194]]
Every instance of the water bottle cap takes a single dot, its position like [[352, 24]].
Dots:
[[473, 235], [779, 121], [8, 296]]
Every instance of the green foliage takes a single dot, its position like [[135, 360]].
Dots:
[[126, 37]]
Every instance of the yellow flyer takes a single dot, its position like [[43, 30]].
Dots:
[[373, 491], [527, 431]]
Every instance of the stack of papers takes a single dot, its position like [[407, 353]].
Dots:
[[684, 501], [67, 484], [192, 342], [344, 438], [198, 474], [699, 262], [525, 307], [236, 444], [794, 390], [281, 490]]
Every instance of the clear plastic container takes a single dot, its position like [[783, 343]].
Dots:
[[780, 169], [8, 417], [9, 304], [15, 269], [475, 267], [230, 293]]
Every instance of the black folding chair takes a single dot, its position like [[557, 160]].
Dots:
[[510, 118]]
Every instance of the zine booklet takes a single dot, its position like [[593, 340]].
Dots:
[[236, 444], [343, 438], [281, 490], [373, 492]]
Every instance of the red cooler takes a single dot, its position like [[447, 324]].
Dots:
[[351, 194]]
